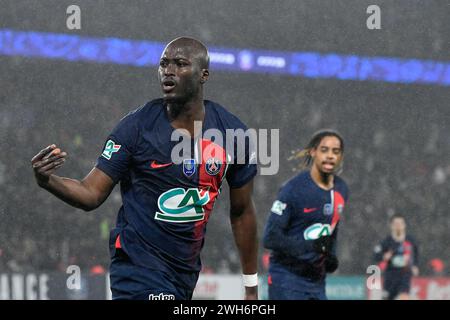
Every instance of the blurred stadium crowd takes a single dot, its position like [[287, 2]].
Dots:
[[391, 165]]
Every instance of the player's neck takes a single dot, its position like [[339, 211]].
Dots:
[[183, 115], [323, 180], [398, 236]]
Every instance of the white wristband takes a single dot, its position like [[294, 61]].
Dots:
[[250, 280]]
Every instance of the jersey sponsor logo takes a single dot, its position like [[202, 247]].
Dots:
[[110, 148], [212, 166], [309, 210], [188, 167], [399, 261], [316, 231], [155, 165], [181, 205], [278, 207]]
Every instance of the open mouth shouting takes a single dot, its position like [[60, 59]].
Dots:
[[168, 84]]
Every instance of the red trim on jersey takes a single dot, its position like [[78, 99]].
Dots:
[[209, 182], [383, 265], [118, 245], [407, 252], [269, 280], [338, 201]]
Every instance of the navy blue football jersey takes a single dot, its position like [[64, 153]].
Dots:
[[166, 206], [302, 213], [405, 253]]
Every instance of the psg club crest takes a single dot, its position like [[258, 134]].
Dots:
[[212, 166], [327, 209], [188, 167]]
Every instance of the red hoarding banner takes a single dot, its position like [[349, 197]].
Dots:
[[430, 289]]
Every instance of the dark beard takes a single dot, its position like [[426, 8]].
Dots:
[[325, 176]]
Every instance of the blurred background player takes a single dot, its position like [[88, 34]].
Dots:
[[397, 256], [302, 227], [155, 247]]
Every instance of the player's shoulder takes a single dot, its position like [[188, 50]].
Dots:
[[143, 115], [224, 116], [297, 182], [341, 185], [155, 105], [388, 240], [338, 180], [146, 111], [411, 239], [302, 177], [384, 244]]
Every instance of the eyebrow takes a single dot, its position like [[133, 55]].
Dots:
[[177, 58]]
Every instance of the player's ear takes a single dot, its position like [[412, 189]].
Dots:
[[204, 76]]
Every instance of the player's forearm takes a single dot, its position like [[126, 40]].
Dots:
[[275, 238], [245, 235], [71, 191]]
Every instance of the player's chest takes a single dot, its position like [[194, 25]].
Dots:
[[168, 162], [401, 248], [320, 206]]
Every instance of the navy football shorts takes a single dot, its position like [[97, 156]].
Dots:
[[131, 282], [298, 288], [396, 283], [281, 293]]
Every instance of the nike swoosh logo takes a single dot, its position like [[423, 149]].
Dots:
[[308, 210], [155, 165]]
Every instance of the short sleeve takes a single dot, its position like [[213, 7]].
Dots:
[[347, 192], [343, 188], [282, 208], [379, 251], [243, 167], [118, 148]]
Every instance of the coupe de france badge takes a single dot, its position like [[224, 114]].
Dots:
[[212, 166], [188, 167], [110, 148]]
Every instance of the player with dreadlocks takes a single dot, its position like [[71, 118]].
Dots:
[[301, 231]]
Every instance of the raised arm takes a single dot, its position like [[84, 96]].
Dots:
[[87, 194], [243, 223]]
